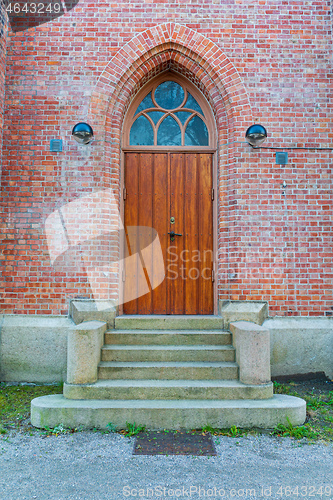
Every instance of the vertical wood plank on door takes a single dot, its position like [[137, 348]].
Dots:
[[191, 237], [176, 286], [145, 217], [160, 224], [205, 227], [131, 237]]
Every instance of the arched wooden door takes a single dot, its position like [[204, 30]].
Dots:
[[168, 201]]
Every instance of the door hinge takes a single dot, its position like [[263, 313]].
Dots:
[[123, 275], [124, 193], [213, 194], [213, 275]]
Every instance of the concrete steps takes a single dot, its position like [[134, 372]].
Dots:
[[167, 414], [168, 353], [168, 322], [167, 372], [167, 337], [165, 350], [167, 389]]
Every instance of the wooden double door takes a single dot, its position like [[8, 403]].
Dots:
[[168, 219]]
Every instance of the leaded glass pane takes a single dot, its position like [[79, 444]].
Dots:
[[142, 133], [145, 104], [196, 133], [155, 115], [168, 133], [183, 115], [169, 95], [191, 103]]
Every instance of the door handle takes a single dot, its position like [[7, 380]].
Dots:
[[173, 234]]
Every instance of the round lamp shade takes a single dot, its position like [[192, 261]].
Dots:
[[256, 135], [82, 133]]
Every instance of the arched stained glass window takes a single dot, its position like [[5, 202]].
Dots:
[[196, 133], [142, 133], [145, 103], [170, 115], [168, 133]]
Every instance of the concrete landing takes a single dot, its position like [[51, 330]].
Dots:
[[168, 389], [167, 337], [53, 410], [168, 322]]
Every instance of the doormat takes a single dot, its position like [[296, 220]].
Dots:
[[174, 443]]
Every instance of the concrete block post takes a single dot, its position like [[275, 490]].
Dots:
[[84, 352], [81, 310], [243, 310], [252, 344]]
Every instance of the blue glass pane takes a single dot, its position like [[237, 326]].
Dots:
[[196, 133], [183, 115], [191, 103], [168, 133], [142, 133], [155, 115], [145, 104], [169, 95]]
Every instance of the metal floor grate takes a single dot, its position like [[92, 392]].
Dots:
[[174, 443]]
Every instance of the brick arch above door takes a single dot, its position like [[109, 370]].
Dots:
[[163, 47]]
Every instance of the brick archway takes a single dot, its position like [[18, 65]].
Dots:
[[191, 54], [168, 46]]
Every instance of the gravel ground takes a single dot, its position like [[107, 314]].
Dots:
[[95, 466]]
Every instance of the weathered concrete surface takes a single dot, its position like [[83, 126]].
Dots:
[[169, 322], [33, 348], [168, 337], [82, 310], [301, 345], [168, 371], [168, 389], [84, 352], [168, 353], [252, 343], [167, 414], [248, 310]]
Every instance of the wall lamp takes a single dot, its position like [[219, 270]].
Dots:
[[82, 133], [256, 135]]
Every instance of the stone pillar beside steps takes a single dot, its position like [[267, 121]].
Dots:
[[252, 344], [84, 352]]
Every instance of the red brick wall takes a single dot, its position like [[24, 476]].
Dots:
[[3, 34], [276, 71]]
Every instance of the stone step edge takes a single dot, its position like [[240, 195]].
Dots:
[[173, 322], [167, 389], [53, 410], [169, 383], [180, 347], [142, 331], [167, 364]]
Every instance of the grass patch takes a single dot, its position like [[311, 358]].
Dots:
[[59, 430], [132, 429], [15, 403], [318, 395], [233, 431], [298, 432]]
